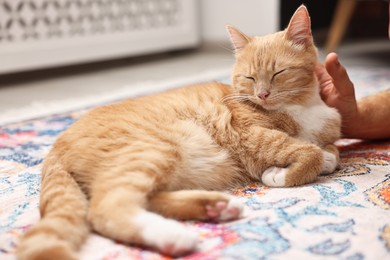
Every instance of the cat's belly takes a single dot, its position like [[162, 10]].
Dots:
[[204, 164]]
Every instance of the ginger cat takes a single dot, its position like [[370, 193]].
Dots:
[[128, 170]]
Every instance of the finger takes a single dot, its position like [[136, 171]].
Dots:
[[323, 76], [339, 74]]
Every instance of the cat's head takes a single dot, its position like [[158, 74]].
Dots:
[[277, 69]]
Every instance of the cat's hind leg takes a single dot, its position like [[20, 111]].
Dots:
[[128, 222], [117, 211], [196, 205]]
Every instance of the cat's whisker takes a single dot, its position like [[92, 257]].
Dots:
[[237, 100], [284, 93], [235, 97], [227, 48]]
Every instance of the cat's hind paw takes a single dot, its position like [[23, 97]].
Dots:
[[225, 210], [181, 241], [274, 177], [330, 163], [167, 236]]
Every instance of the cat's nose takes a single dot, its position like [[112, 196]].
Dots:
[[263, 95]]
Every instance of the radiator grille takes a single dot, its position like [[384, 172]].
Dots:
[[32, 20], [41, 33]]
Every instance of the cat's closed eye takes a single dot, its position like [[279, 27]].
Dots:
[[277, 73], [250, 78]]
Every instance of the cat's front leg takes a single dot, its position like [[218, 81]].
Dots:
[[290, 162], [303, 169], [331, 159], [274, 176]]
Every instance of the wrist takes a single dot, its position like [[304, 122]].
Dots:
[[369, 121], [353, 125]]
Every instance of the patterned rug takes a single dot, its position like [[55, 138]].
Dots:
[[345, 215]]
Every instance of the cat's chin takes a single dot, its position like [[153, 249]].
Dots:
[[269, 105]]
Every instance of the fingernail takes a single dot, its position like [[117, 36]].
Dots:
[[337, 59]]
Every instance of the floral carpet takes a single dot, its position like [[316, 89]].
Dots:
[[345, 215]]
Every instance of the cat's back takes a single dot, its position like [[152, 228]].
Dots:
[[175, 104], [152, 115]]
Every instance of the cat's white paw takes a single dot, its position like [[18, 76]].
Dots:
[[226, 210], [168, 236], [274, 177], [330, 163]]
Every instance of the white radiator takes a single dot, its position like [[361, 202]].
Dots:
[[45, 33]]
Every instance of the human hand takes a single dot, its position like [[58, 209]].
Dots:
[[337, 91]]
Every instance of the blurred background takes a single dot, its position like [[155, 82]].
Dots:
[[61, 49]]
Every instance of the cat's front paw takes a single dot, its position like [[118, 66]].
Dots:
[[225, 210], [330, 163], [274, 177]]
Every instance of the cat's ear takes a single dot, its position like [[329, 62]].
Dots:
[[238, 39], [299, 29]]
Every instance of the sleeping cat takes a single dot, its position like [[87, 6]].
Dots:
[[128, 170]]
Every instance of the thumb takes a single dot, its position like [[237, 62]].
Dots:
[[339, 74]]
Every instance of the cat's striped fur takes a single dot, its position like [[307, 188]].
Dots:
[[127, 170]]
